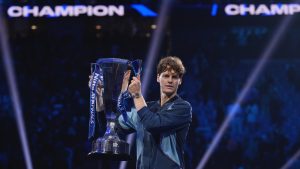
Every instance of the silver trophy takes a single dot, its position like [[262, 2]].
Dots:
[[109, 73]]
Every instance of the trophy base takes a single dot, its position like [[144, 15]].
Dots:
[[116, 150]]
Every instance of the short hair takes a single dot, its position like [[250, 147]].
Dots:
[[171, 63]]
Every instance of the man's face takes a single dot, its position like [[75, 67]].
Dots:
[[169, 82]]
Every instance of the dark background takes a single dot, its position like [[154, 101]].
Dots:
[[52, 65]]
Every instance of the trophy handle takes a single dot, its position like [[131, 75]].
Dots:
[[136, 66]]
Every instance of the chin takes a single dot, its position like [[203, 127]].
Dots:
[[169, 93]]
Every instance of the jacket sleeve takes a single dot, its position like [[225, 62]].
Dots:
[[172, 118], [129, 126]]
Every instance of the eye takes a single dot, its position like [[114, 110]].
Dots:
[[175, 77]]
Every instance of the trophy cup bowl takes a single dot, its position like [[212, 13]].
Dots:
[[110, 146]]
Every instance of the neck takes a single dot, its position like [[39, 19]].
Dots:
[[164, 98]]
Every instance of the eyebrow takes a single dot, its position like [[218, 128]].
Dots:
[[172, 74]]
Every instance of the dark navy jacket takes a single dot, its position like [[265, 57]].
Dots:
[[161, 133]]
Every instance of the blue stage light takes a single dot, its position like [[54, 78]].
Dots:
[[143, 10], [214, 9]]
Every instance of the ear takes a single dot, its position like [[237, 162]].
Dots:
[[180, 81], [157, 78]]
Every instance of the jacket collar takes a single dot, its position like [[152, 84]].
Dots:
[[169, 101]]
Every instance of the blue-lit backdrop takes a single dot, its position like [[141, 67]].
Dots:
[[52, 59]]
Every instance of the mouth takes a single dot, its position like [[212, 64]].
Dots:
[[169, 86]]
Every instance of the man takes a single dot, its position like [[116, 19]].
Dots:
[[162, 125]]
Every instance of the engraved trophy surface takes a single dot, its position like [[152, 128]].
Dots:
[[109, 73]]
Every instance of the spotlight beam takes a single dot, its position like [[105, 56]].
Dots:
[[152, 55], [249, 83], [291, 161], [155, 44], [13, 89]]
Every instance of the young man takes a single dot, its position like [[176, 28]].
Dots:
[[162, 125]]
